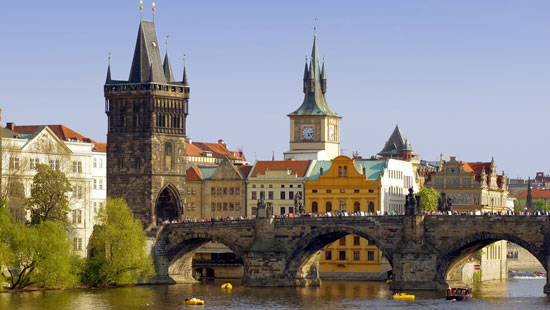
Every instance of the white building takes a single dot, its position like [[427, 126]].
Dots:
[[396, 179], [82, 160]]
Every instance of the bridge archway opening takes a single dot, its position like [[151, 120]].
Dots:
[[484, 257], [341, 254], [167, 206], [212, 256]]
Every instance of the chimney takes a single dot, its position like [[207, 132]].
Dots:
[[189, 140], [222, 143], [10, 126], [364, 171], [321, 171]]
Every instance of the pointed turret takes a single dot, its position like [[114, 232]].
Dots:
[[108, 79], [147, 56], [323, 79], [529, 200], [168, 74], [306, 71], [396, 145], [184, 81]]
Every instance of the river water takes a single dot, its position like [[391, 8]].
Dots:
[[525, 294]]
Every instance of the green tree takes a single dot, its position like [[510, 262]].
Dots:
[[540, 204], [35, 255], [517, 206], [119, 248], [429, 198], [48, 199]]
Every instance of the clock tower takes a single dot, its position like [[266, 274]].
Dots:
[[314, 127]]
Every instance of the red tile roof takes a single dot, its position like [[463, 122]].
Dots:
[[245, 170], [62, 132], [193, 174], [478, 167], [218, 150], [536, 193], [100, 147], [296, 166]]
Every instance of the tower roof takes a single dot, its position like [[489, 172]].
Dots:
[[168, 69], [314, 100], [396, 145], [147, 64]]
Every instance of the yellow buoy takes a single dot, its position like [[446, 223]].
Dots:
[[403, 296], [227, 286], [193, 302], [388, 281]]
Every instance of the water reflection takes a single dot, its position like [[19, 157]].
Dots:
[[512, 294]]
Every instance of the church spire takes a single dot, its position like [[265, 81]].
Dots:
[[108, 79]]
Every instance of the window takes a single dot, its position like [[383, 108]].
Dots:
[[213, 206], [270, 195], [299, 185], [262, 186], [314, 191], [77, 216], [370, 255], [339, 171], [283, 195], [371, 207], [100, 183], [237, 190], [371, 191], [356, 191], [253, 195], [356, 255], [290, 209], [95, 162], [219, 206], [291, 186], [342, 255], [100, 163], [231, 191], [225, 191], [237, 206], [231, 206], [345, 171], [283, 210], [77, 166], [291, 195], [342, 205], [220, 190], [95, 184], [342, 191], [329, 191], [356, 240], [188, 190], [328, 255], [270, 186], [54, 164], [314, 207], [356, 207], [225, 206], [34, 163], [282, 186], [342, 241], [254, 210], [77, 191], [253, 185], [138, 163], [168, 155], [212, 191], [77, 244], [14, 163], [120, 163], [328, 206]]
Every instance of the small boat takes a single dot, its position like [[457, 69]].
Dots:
[[458, 293], [193, 301], [403, 296], [227, 286], [388, 281]]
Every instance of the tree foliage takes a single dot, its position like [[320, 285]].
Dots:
[[540, 204], [35, 255], [429, 198], [119, 248], [48, 199]]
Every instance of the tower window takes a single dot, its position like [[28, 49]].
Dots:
[[168, 155]]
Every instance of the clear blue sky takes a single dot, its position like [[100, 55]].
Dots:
[[464, 78]]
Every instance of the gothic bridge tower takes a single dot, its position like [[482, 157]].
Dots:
[[146, 133]]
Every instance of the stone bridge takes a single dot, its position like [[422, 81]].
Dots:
[[285, 252]]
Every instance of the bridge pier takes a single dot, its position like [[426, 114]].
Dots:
[[547, 285]]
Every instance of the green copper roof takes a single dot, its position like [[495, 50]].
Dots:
[[207, 172], [314, 102], [373, 168], [315, 172]]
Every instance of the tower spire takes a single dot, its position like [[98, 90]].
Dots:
[[108, 79], [185, 82], [167, 66]]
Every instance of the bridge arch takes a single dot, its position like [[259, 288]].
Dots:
[[463, 247], [182, 248], [302, 262]]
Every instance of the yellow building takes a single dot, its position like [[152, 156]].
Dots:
[[281, 181], [353, 186]]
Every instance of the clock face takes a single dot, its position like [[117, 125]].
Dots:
[[307, 132], [331, 135]]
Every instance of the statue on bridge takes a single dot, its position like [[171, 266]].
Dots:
[[413, 203], [444, 203], [298, 203], [264, 210]]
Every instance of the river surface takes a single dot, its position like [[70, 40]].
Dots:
[[525, 294]]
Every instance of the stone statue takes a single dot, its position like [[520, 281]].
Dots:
[[444, 203], [298, 204], [412, 203], [261, 206]]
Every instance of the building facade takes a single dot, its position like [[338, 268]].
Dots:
[[472, 186], [281, 183], [211, 154], [314, 127], [346, 185], [65, 150], [396, 179], [146, 133]]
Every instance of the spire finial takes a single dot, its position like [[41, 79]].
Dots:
[[154, 10], [315, 25], [167, 37], [140, 10], [109, 59]]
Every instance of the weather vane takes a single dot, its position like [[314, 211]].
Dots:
[[167, 37], [140, 9], [154, 9]]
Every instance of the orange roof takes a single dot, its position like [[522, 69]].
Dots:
[[100, 147], [536, 193], [478, 168], [245, 170], [295, 166], [193, 174], [62, 132], [218, 150]]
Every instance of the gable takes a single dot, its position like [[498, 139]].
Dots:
[[46, 141]]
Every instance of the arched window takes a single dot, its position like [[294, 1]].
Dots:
[[314, 207], [339, 171], [371, 207], [356, 207], [328, 206], [345, 171], [168, 155]]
